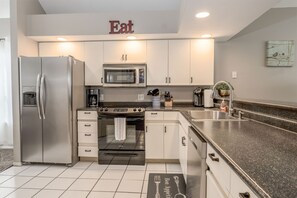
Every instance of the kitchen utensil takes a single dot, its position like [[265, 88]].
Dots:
[[155, 92], [157, 180], [179, 194]]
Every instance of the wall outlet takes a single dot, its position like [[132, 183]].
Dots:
[[140, 96], [234, 74], [101, 97]]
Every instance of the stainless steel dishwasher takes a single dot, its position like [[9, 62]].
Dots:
[[196, 165]]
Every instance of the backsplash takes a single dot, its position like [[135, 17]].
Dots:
[[281, 116]]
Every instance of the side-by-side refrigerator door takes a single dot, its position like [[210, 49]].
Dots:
[[55, 97], [31, 123]]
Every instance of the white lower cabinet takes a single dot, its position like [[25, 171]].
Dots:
[[161, 137], [87, 132], [214, 190], [222, 181]]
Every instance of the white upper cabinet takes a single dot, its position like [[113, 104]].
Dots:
[[93, 63], [125, 52], [157, 62], [75, 49], [202, 62], [179, 62]]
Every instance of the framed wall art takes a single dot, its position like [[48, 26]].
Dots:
[[280, 53]]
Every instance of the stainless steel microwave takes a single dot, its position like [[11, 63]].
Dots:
[[124, 75]]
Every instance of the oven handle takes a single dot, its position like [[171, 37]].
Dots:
[[101, 117], [122, 154]]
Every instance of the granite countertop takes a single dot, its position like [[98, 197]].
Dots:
[[264, 157]]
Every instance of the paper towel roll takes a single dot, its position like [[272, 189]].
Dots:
[[208, 100]]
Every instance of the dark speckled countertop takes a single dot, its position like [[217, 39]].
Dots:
[[264, 157]]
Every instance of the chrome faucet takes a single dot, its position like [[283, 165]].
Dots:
[[230, 109]]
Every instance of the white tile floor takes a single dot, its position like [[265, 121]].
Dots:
[[85, 179]]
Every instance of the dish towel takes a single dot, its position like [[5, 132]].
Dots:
[[120, 128]]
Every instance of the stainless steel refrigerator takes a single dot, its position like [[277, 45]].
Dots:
[[51, 90]]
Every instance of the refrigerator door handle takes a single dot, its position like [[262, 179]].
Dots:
[[42, 93], [38, 95]]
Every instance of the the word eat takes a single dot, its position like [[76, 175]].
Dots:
[[121, 28]]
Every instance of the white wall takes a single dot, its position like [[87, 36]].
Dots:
[[20, 45], [4, 9], [245, 53]]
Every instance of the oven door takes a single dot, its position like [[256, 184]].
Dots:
[[131, 150]]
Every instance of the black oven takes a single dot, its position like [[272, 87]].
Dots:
[[121, 142]]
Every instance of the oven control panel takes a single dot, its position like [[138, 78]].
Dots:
[[121, 110]]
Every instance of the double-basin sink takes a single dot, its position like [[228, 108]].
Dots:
[[200, 115]]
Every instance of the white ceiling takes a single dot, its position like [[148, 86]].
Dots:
[[227, 17]]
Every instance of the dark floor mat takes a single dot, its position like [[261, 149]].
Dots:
[[6, 159], [166, 185]]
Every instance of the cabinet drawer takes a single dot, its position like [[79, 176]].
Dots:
[[87, 115], [87, 127], [173, 115], [219, 168], [87, 138], [154, 115], [239, 187], [87, 151]]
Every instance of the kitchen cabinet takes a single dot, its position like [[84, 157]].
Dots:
[[157, 62], [161, 135], [183, 144], [179, 62], [75, 49], [87, 130], [125, 52], [222, 180], [93, 57], [202, 62]]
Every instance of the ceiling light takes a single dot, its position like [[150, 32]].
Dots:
[[202, 15], [131, 37], [61, 39], [206, 36]]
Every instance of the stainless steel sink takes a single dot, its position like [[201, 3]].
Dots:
[[209, 115]]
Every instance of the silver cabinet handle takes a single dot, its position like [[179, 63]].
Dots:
[[146, 129], [87, 112], [42, 93], [169, 79], [244, 195], [87, 125], [183, 141], [166, 80], [191, 79], [123, 57], [194, 144], [126, 57], [154, 113], [101, 80], [38, 95], [88, 134], [165, 129], [87, 151], [212, 157]]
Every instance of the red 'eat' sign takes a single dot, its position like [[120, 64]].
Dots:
[[121, 28]]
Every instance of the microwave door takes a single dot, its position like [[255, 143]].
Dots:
[[118, 77]]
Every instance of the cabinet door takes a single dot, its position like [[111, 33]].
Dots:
[[171, 141], [135, 51], [75, 49], [157, 62], [114, 51], [154, 140], [182, 142], [202, 62], [93, 63], [239, 188], [213, 188], [179, 62]]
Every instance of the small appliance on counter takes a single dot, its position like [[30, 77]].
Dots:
[[93, 97], [198, 99], [208, 98], [168, 99]]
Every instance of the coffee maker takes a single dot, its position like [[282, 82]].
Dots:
[[198, 99], [93, 97]]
